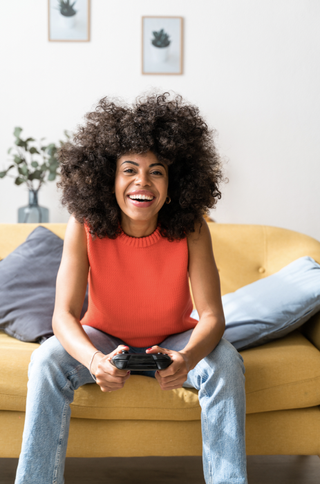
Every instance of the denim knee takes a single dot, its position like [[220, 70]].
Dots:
[[224, 365], [51, 362], [46, 354], [225, 357]]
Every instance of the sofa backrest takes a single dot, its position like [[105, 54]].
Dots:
[[244, 253]]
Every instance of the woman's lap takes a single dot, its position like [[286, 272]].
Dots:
[[223, 357]]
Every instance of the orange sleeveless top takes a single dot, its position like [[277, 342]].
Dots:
[[138, 288]]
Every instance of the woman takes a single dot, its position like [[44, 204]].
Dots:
[[137, 181]]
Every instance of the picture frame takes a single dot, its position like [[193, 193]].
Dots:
[[162, 45], [69, 20]]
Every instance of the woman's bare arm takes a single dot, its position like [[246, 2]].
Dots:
[[205, 284], [70, 292], [206, 335]]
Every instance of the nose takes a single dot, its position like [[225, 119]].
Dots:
[[142, 179]]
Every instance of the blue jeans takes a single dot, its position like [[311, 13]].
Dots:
[[54, 375]]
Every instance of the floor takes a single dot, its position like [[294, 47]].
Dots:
[[173, 470]]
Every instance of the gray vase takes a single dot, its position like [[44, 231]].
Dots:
[[33, 213]]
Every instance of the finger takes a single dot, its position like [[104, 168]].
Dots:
[[108, 380], [111, 385], [174, 368], [118, 350], [171, 378], [108, 370], [111, 367], [166, 376], [171, 385], [157, 349], [110, 388], [173, 381]]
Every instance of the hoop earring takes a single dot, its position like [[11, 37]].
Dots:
[[168, 200]]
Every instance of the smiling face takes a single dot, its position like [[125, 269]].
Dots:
[[141, 188]]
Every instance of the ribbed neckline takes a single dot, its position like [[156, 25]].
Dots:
[[141, 241]]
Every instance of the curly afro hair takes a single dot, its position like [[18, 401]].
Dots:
[[163, 124]]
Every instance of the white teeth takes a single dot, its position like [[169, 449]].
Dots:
[[140, 197]]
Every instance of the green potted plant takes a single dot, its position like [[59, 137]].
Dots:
[[67, 13], [34, 165], [160, 43]]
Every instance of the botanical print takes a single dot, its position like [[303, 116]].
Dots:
[[68, 20], [162, 45]]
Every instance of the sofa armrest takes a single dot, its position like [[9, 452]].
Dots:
[[311, 330]]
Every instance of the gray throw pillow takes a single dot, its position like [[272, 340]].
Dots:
[[272, 307], [27, 287]]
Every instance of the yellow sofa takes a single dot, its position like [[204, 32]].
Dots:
[[282, 377]]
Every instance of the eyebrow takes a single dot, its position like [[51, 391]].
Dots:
[[137, 164]]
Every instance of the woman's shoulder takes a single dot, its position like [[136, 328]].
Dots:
[[75, 233], [199, 241], [201, 231]]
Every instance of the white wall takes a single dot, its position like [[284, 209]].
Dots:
[[251, 65]]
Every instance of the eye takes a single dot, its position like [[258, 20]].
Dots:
[[128, 170], [156, 172]]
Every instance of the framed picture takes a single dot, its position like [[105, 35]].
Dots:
[[162, 45], [69, 20]]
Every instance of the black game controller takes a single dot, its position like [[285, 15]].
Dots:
[[141, 361]]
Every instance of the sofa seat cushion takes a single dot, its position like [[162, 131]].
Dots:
[[284, 374]]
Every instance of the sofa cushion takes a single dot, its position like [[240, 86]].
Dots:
[[27, 281], [272, 307], [297, 385], [283, 374]]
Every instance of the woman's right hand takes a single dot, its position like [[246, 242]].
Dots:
[[108, 377]]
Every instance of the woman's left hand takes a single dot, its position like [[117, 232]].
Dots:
[[176, 374]]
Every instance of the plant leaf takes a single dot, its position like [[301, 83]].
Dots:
[[20, 142], [19, 180], [29, 140], [35, 164], [9, 151], [17, 159], [33, 150], [3, 173], [23, 170], [36, 175], [17, 132], [51, 149], [52, 176]]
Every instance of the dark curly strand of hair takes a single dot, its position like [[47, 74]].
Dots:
[[173, 130]]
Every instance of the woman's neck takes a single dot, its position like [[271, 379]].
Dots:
[[138, 228]]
